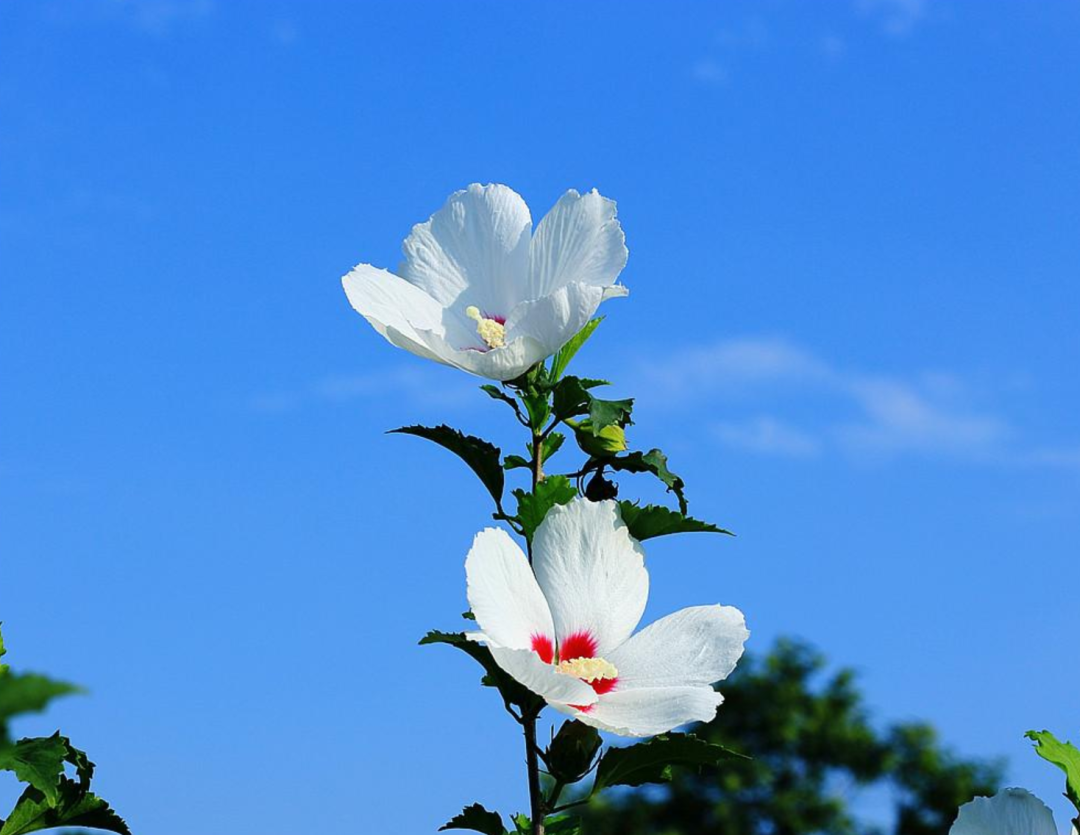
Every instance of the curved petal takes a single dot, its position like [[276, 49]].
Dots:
[[592, 573], [578, 240], [555, 319], [695, 646], [501, 364], [509, 607], [649, 711], [1009, 812], [474, 250], [557, 689]]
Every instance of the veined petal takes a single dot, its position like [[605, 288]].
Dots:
[[1009, 812], [557, 689], [592, 573], [509, 607], [579, 240], [506, 363], [649, 711], [404, 315], [554, 319], [695, 646], [473, 251]]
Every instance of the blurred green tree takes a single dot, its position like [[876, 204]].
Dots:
[[813, 747]]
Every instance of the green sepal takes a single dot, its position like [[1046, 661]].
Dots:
[[1065, 756], [75, 806], [511, 691], [483, 458], [563, 356], [655, 462], [651, 761], [533, 507], [477, 819], [656, 520]]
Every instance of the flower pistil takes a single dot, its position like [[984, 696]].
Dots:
[[490, 328]]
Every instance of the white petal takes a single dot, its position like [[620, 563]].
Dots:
[[404, 315], [473, 251], [509, 607], [695, 646], [649, 711], [591, 571], [557, 689], [506, 363], [1009, 812], [555, 319], [578, 240]]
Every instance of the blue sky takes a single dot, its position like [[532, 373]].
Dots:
[[852, 325]]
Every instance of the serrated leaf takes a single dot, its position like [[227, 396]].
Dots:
[[533, 507], [651, 761], [75, 807], [514, 462], [38, 761], [570, 398], [483, 458], [605, 413], [566, 353], [29, 693], [477, 819], [511, 691], [655, 462], [1065, 756], [655, 520]]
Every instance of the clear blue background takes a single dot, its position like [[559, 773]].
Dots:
[[853, 325]]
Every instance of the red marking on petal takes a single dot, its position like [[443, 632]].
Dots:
[[603, 685], [542, 646], [582, 708], [500, 319], [577, 645]]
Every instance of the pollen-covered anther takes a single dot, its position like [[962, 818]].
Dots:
[[588, 669], [492, 331]]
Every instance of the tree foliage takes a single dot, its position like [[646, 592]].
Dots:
[[812, 747]]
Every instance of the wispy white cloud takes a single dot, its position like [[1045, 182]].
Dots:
[[413, 384], [803, 405]]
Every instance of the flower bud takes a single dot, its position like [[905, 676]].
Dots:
[[609, 441], [571, 753]]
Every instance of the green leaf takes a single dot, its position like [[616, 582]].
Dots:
[[522, 824], [514, 462], [533, 507], [74, 807], [512, 693], [655, 520], [566, 353], [482, 457], [651, 762], [570, 398], [562, 825], [551, 444], [29, 693], [655, 462], [604, 413], [478, 819], [3, 652], [38, 761], [1065, 756]]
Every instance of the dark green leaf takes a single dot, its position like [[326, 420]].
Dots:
[[1065, 756], [512, 693], [28, 693], [591, 383], [75, 807], [3, 652], [562, 825], [570, 398], [655, 462], [38, 761], [654, 520], [513, 462], [604, 413], [566, 353], [533, 507], [482, 457], [651, 762], [478, 819], [572, 751]]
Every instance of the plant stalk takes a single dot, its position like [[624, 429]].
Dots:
[[537, 809]]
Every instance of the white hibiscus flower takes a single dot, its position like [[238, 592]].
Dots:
[[564, 627], [479, 291], [1009, 812]]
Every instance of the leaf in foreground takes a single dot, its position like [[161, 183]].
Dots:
[[655, 462], [655, 520], [566, 353], [651, 762], [39, 762], [75, 807], [478, 819], [484, 458], [1065, 756], [533, 507]]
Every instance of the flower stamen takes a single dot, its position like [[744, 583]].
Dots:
[[491, 330], [588, 669]]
